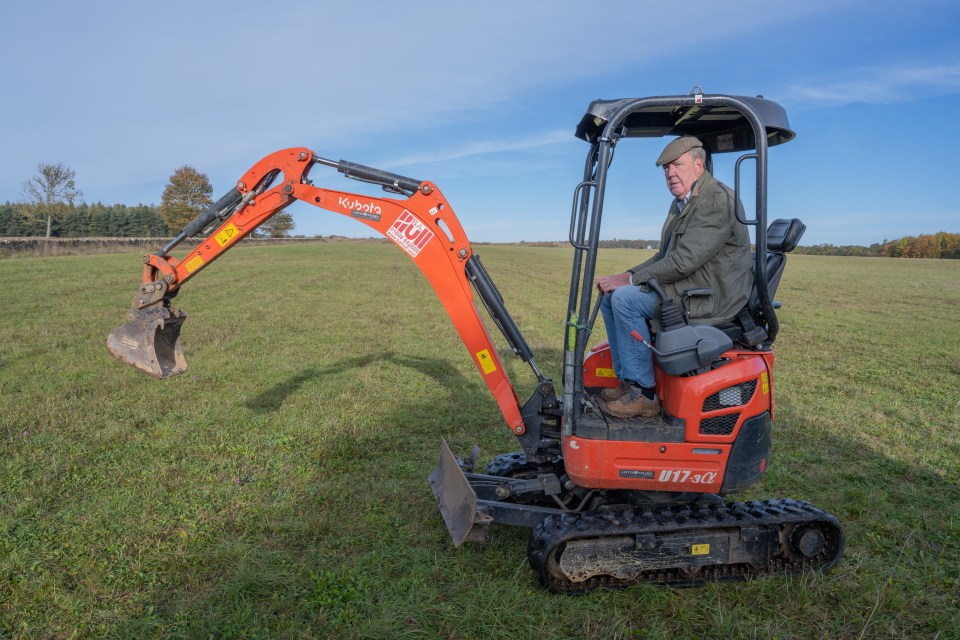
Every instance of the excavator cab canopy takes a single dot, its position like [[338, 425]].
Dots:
[[721, 127], [724, 124]]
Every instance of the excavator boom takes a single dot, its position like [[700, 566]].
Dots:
[[423, 225]]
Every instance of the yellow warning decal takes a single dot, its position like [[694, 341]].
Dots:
[[228, 233], [486, 362], [700, 549], [603, 372], [764, 383], [194, 263]]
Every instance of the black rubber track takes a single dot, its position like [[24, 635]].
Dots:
[[782, 521]]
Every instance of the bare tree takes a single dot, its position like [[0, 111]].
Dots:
[[52, 189], [185, 197]]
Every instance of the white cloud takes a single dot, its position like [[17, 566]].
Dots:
[[878, 85], [482, 147]]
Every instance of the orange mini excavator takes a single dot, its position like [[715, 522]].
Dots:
[[609, 502]]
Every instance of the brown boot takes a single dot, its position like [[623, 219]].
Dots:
[[615, 393], [633, 405]]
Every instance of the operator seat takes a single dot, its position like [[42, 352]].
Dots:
[[750, 327], [682, 348]]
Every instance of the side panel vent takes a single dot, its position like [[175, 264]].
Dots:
[[720, 425], [734, 396]]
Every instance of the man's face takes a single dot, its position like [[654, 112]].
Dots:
[[682, 173]]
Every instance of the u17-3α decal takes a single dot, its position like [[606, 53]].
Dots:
[[685, 475]]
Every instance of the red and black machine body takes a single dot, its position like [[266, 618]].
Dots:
[[703, 419], [609, 502]]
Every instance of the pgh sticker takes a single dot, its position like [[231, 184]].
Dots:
[[410, 234]]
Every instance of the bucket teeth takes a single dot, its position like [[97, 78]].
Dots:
[[151, 342]]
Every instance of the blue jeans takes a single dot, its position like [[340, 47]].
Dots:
[[627, 309]]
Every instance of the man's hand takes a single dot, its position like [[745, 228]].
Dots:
[[607, 284]]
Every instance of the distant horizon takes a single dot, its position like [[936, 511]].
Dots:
[[362, 228], [296, 236]]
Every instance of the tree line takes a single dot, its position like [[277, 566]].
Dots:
[[84, 220], [50, 209], [936, 245]]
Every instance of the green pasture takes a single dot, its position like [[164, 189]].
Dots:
[[278, 488]]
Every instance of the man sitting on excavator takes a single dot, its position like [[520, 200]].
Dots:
[[702, 245]]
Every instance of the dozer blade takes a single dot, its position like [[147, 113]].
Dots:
[[151, 342], [457, 500]]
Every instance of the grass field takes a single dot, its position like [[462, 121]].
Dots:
[[278, 488]]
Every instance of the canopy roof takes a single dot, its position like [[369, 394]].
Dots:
[[718, 121]]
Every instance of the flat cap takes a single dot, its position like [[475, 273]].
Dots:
[[677, 148]]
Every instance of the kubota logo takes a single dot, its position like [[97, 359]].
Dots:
[[356, 205], [410, 234]]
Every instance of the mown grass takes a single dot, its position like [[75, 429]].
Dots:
[[277, 489]]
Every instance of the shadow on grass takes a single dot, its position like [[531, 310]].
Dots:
[[440, 370]]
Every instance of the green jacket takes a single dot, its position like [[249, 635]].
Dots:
[[704, 246]]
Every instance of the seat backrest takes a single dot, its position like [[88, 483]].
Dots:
[[782, 237], [750, 328], [775, 264]]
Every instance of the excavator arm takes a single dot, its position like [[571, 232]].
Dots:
[[423, 225]]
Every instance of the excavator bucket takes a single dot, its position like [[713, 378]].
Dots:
[[457, 500], [151, 342]]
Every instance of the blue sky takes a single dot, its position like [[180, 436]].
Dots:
[[483, 98]]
